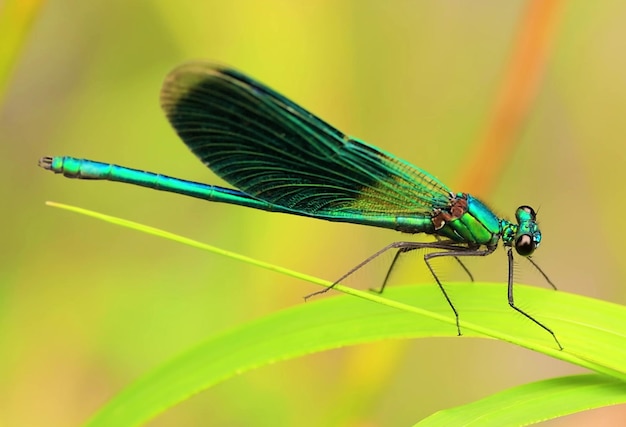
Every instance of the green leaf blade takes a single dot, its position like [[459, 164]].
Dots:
[[591, 331], [343, 321], [533, 403]]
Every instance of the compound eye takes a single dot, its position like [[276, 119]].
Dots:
[[530, 211], [525, 245]]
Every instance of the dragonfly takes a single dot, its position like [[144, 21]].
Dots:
[[282, 158]]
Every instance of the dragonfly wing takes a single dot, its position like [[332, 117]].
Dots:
[[272, 149]]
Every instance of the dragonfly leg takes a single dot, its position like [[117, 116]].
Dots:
[[401, 246], [453, 252], [396, 257], [545, 276], [519, 310], [463, 266], [404, 249]]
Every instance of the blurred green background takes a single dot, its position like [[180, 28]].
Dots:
[[87, 307]]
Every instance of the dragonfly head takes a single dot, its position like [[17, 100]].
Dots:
[[528, 236]]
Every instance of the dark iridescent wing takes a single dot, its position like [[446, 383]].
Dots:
[[272, 149]]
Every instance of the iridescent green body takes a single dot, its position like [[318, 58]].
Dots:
[[281, 158], [477, 225]]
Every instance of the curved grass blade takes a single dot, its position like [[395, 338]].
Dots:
[[343, 321], [591, 330], [585, 320]]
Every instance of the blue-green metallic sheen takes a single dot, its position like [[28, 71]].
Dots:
[[281, 158]]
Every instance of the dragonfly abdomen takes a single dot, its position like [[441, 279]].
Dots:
[[72, 167]]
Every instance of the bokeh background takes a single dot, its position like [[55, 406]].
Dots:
[[87, 307]]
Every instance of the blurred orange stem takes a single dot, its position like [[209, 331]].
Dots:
[[492, 151], [517, 91]]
